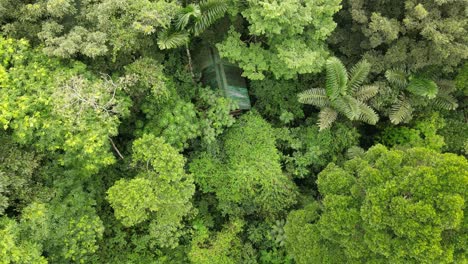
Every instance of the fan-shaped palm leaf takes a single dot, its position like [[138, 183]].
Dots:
[[193, 19], [167, 40], [397, 77], [337, 78], [366, 92], [315, 96], [367, 114], [401, 112], [423, 87], [188, 12], [326, 118], [358, 75]]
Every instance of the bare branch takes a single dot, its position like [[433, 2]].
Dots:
[[115, 148]]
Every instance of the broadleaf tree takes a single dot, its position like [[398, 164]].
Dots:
[[387, 206], [284, 38]]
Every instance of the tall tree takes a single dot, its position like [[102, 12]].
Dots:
[[225, 247], [416, 34], [21, 241], [387, 206], [246, 174], [159, 195], [60, 109], [192, 20], [284, 37], [68, 28]]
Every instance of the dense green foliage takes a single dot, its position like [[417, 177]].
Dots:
[[416, 34], [161, 192], [386, 206], [115, 149], [288, 37], [343, 95], [247, 176]]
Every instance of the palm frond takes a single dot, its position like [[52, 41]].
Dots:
[[445, 100], [447, 85], [188, 12], [401, 112], [358, 74], [167, 40], [366, 92], [423, 87], [211, 10], [348, 106], [337, 78], [326, 118], [315, 96], [397, 77], [214, 9], [368, 114], [354, 152]]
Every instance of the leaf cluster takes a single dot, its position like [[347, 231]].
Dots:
[[343, 93]]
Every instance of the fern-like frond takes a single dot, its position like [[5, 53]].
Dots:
[[337, 78], [167, 40], [446, 86], [358, 74], [423, 87], [397, 77], [348, 106], [446, 101], [315, 96], [367, 114], [211, 10], [341, 106], [354, 152], [326, 118], [188, 12], [366, 92], [401, 112]]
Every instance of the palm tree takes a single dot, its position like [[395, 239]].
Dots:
[[417, 91], [192, 20], [343, 94]]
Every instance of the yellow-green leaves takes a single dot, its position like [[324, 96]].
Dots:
[[14, 249], [21, 242], [161, 193], [287, 38], [390, 206], [55, 106], [132, 200], [225, 246], [154, 154]]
